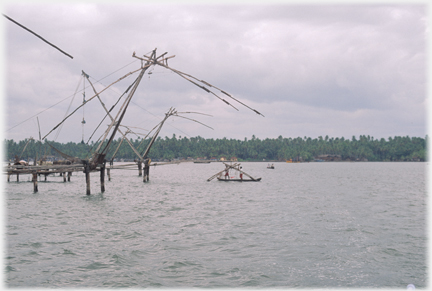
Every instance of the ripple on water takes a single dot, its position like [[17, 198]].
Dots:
[[314, 225]]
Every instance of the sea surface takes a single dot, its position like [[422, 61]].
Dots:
[[305, 225]]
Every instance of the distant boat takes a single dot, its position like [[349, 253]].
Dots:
[[270, 167], [202, 162]]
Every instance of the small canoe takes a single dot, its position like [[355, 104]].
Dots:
[[238, 180], [222, 175]]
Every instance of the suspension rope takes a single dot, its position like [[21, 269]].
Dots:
[[84, 101], [40, 112], [67, 111]]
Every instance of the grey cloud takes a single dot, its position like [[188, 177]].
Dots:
[[320, 58]]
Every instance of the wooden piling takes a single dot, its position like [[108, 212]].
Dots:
[[69, 175], [102, 177], [35, 182], [109, 174], [139, 168], [17, 177], [64, 177], [87, 174], [146, 171], [8, 177]]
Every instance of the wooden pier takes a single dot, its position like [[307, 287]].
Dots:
[[64, 170]]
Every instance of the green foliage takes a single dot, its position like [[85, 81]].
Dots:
[[280, 149]]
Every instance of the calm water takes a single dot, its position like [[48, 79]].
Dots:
[[305, 225]]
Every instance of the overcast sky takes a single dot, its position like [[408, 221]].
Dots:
[[311, 70]]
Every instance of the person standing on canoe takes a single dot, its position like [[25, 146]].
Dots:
[[226, 174]]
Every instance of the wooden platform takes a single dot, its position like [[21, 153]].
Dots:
[[46, 170], [67, 170]]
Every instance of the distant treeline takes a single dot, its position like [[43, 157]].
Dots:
[[280, 149]]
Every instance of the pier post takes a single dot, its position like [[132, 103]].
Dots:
[[102, 177], [46, 177], [8, 177], [109, 174], [64, 177], [69, 175], [139, 168], [17, 177], [146, 177], [87, 174], [35, 182]]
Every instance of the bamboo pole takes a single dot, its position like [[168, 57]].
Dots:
[[237, 168], [118, 147], [116, 122], [89, 100], [40, 37], [119, 117], [170, 112], [112, 119], [24, 148], [183, 75], [227, 167]]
